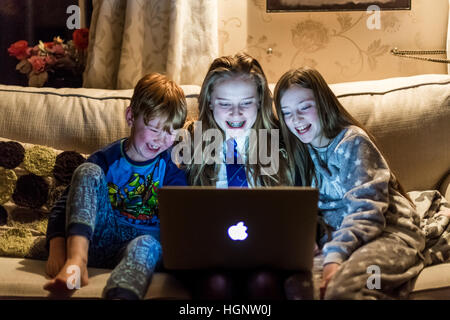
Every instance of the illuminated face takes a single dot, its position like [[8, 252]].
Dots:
[[299, 110], [147, 140], [235, 103]]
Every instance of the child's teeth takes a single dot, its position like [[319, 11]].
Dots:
[[235, 124], [302, 128]]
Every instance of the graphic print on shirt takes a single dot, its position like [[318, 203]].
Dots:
[[137, 198]]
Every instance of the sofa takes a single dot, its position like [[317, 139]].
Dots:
[[409, 117]]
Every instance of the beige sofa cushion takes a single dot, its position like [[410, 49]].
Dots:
[[433, 283], [26, 277], [410, 119], [409, 116], [83, 120]]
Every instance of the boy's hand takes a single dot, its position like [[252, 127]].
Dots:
[[56, 257], [328, 272]]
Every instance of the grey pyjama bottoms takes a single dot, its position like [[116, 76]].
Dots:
[[131, 251]]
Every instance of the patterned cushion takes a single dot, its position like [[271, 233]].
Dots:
[[32, 177]]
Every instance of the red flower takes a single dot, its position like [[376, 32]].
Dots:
[[58, 50], [55, 48], [19, 50], [38, 63], [81, 38], [50, 60], [34, 50]]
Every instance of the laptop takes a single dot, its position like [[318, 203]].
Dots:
[[238, 228]]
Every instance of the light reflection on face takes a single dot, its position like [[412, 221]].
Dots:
[[299, 110], [148, 140], [235, 103]]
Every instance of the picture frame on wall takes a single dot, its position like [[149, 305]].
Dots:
[[335, 5]]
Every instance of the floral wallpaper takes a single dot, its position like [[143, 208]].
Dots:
[[343, 46]]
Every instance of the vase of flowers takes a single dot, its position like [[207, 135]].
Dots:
[[55, 63]]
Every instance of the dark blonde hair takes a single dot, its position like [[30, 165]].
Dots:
[[241, 66], [157, 96], [332, 115]]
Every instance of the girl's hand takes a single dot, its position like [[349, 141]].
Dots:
[[56, 257], [328, 272]]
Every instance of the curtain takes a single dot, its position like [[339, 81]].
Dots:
[[130, 38]]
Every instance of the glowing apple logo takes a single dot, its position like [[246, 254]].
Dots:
[[238, 231]]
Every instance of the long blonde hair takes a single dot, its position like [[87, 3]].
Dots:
[[226, 67], [332, 115]]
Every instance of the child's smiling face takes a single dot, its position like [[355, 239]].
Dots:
[[299, 109], [234, 103], [148, 140]]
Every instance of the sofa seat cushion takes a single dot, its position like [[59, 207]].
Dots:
[[25, 278], [433, 283]]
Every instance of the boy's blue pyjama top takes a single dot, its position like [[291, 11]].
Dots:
[[132, 188]]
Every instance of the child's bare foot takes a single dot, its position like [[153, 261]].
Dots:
[[73, 275]]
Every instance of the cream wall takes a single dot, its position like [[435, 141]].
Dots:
[[338, 44]]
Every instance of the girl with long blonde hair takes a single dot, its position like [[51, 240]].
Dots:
[[235, 100]]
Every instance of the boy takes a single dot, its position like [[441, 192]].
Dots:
[[112, 207]]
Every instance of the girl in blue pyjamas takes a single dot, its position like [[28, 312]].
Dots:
[[374, 225]]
